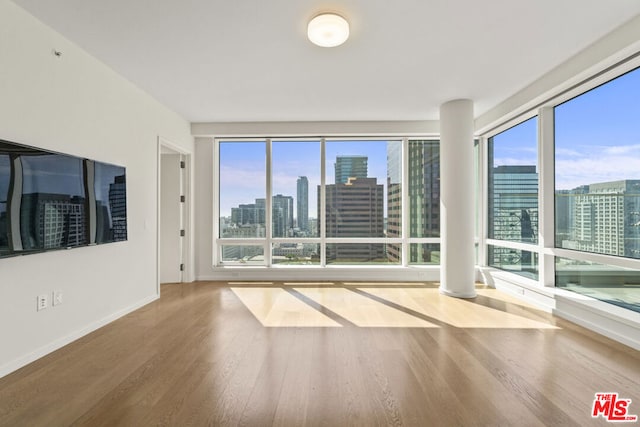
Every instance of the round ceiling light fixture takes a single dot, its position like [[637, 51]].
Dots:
[[328, 30]]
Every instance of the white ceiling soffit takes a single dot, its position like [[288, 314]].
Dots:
[[250, 60]]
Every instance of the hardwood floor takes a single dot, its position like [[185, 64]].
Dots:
[[334, 354]]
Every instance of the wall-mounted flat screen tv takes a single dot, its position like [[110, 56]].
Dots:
[[52, 201]]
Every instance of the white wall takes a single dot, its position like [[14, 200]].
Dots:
[[203, 195], [76, 105]]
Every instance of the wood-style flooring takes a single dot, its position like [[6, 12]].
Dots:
[[325, 354]]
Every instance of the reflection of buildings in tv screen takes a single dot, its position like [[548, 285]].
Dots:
[[118, 196], [112, 217], [50, 221], [4, 240], [103, 224], [118, 206], [119, 229]]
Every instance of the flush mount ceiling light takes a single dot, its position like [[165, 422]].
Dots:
[[328, 30]]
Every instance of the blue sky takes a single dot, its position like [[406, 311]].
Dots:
[[597, 136], [517, 145], [243, 172]]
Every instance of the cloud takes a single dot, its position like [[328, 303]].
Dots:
[[283, 181], [621, 149], [241, 178], [568, 152], [533, 150], [511, 161], [571, 173], [589, 164]]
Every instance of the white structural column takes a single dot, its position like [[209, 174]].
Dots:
[[457, 253]]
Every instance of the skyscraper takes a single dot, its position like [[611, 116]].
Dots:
[[605, 218], [424, 198], [302, 208], [5, 178], [50, 221], [252, 213], [514, 199], [564, 215], [350, 167], [355, 209], [513, 213], [247, 220], [118, 206], [394, 198], [282, 215]]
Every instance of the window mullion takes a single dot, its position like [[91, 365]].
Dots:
[[323, 204], [215, 253], [268, 207], [483, 208], [405, 202], [546, 194]]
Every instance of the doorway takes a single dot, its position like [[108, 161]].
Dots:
[[172, 214]]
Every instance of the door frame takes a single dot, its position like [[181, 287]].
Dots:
[[187, 249]]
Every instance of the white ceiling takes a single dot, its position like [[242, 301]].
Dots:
[[250, 60]]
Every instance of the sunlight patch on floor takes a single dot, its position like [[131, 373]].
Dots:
[[275, 307], [382, 307], [388, 284], [453, 311], [308, 283], [363, 311]]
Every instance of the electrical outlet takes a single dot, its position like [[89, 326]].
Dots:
[[43, 302], [57, 298]]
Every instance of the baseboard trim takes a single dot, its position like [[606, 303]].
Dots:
[[23, 361], [605, 319], [330, 273], [597, 320], [463, 295]]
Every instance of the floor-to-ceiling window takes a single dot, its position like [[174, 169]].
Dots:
[[363, 200], [295, 178], [241, 202], [512, 205], [424, 200], [597, 187], [327, 202], [576, 223]]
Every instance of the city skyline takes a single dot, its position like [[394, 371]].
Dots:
[[242, 165]]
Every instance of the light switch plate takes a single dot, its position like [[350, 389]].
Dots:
[[43, 302], [57, 298]]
